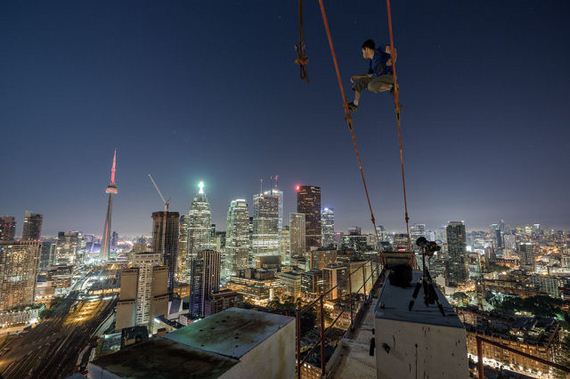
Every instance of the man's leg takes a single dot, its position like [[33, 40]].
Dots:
[[381, 84], [359, 83]]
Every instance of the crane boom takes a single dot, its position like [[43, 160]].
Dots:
[[157, 189]]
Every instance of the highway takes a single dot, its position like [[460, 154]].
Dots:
[[50, 350]]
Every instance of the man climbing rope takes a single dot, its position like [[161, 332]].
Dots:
[[379, 77]]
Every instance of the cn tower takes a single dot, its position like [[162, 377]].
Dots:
[[111, 190]]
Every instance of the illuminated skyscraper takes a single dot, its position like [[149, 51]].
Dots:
[[327, 225], [285, 245], [181, 268], [277, 192], [67, 248], [205, 273], [297, 234], [32, 226], [18, 269], [265, 239], [7, 228], [456, 263], [237, 236], [199, 224], [165, 230], [309, 203], [111, 190]]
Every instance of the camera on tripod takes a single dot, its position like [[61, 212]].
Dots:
[[428, 247], [426, 282]]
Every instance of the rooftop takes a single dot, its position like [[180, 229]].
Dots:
[[163, 358], [231, 333], [394, 302], [206, 348]]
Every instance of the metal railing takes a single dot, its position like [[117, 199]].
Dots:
[[353, 300], [480, 366]]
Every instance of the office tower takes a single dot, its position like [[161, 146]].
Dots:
[[335, 280], [309, 203], [456, 266], [265, 239], [67, 250], [7, 228], [237, 236], [18, 270], [355, 240], [279, 194], [312, 282], [47, 254], [144, 291], [181, 267], [285, 245], [321, 258], [290, 282], [526, 254], [327, 226], [111, 190], [497, 232], [297, 230], [417, 231], [199, 224], [205, 279], [165, 240], [32, 226]]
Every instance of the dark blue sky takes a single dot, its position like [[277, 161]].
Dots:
[[193, 90]]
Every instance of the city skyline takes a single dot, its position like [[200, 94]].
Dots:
[[330, 189], [474, 151]]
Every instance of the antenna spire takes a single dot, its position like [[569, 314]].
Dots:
[[114, 168]]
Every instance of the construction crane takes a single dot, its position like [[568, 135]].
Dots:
[[165, 213]]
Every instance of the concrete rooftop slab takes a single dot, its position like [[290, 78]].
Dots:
[[231, 333], [394, 301]]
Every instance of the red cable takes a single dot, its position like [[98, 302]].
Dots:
[[398, 128], [348, 117]]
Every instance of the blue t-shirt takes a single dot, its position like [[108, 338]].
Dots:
[[378, 64]]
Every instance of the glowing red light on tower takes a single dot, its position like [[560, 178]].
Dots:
[[297, 188]]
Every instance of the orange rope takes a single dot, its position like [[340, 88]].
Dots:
[[348, 117], [398, 128]]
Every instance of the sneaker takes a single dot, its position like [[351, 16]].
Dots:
[[352, 107]]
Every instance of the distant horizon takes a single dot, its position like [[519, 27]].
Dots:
[[365, 229]]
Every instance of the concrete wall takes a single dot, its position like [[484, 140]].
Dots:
[[126, 312], [415, 350], [129, 282], [273, 358]]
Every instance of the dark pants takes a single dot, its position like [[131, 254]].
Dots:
[[382, 83]]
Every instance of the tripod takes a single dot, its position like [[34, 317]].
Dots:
[[430, 296]]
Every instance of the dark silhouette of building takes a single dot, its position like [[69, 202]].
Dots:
[[204, 280], [456, 268], [309, 203], [7, 228], [165, 230], [32, 226]]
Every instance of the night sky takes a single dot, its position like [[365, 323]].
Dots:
[[190, 90]]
